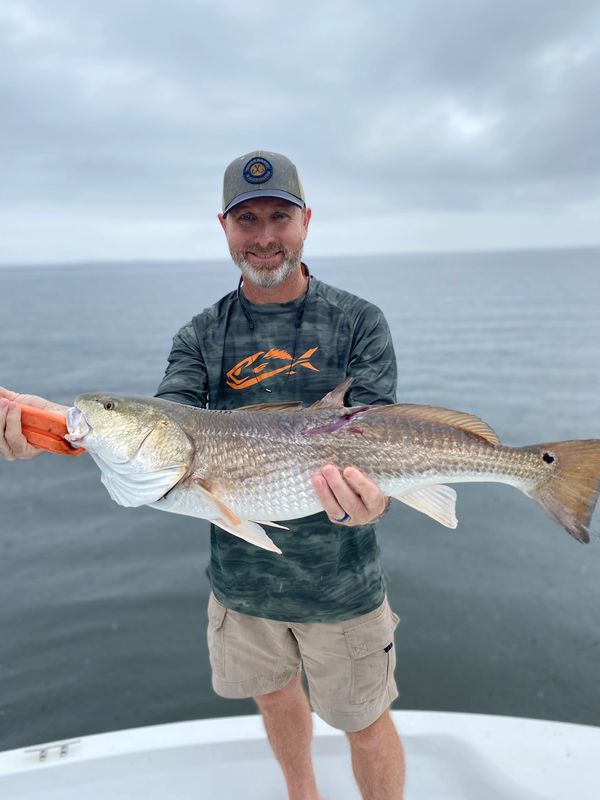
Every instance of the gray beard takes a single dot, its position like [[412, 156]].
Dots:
[[269, 277]]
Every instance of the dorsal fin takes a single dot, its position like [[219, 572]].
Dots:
[[294, 406], [334, 398], [443, 416]]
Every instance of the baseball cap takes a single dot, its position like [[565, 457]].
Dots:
[[261, 174]]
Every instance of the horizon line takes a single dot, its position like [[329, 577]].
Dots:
[[115, 260]]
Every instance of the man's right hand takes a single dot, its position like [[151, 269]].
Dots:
[[13, 445]]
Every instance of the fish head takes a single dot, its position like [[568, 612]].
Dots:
[[141, 450]]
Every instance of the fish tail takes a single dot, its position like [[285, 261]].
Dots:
[[569, 492]]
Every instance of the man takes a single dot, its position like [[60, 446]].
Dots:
[[321, 608]]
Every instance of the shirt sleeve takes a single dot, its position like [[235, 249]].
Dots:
[[372, 361], [186, 378]]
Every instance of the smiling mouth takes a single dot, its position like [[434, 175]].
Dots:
[[265, 256]]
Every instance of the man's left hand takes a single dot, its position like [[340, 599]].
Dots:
[[349, 498]]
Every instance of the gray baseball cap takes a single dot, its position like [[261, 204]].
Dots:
[[261, 174]]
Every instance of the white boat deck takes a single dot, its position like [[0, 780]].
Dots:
[[450, 756]]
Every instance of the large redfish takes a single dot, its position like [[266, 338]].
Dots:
[[242, 468]]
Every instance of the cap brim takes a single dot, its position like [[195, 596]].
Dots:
[[241, 198]]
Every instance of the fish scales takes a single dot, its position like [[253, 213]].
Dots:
[[284, 457]]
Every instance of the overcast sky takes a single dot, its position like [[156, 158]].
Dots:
[[416, 125]]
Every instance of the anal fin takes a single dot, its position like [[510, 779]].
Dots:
[[438, 502]]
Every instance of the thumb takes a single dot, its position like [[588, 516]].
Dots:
[[33, 400], [7, 394]]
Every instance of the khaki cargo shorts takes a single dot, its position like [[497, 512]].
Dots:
[[349, 665]]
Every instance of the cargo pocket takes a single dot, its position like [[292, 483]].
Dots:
[[371, 645], [216, 636]]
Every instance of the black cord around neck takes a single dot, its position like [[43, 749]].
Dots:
[[299, 313], [297, 321]]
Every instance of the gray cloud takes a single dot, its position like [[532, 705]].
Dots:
[[130, 111]]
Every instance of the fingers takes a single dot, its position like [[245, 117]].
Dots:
[[368, 491], [347, 499], [47, 405], [5, 450], [13, 445], [328, 500], [33, 400], [352, 493], [6, 393]]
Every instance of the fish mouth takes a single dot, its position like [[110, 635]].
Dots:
[[77, 427]]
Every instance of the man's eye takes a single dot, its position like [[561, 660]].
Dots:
[[245, 217], [279, 215]]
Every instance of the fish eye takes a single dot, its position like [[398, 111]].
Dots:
[[109, 405]]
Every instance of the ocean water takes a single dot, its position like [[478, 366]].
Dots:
[[103, 609]]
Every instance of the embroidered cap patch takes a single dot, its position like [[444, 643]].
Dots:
[[258, 170]]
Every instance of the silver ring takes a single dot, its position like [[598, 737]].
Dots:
[[345, 518]]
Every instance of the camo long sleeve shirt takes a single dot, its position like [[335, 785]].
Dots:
[[237, 353]]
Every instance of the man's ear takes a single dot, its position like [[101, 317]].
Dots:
[[307, 216], [222, 220]]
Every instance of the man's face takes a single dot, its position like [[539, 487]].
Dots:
[[266, 237]]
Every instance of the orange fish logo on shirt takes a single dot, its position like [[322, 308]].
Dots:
[[245, 374]]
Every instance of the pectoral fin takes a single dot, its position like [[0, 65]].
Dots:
[[438, 502], [227, 519], [249, 531]]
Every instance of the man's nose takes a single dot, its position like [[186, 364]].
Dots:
[[264, 233]]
